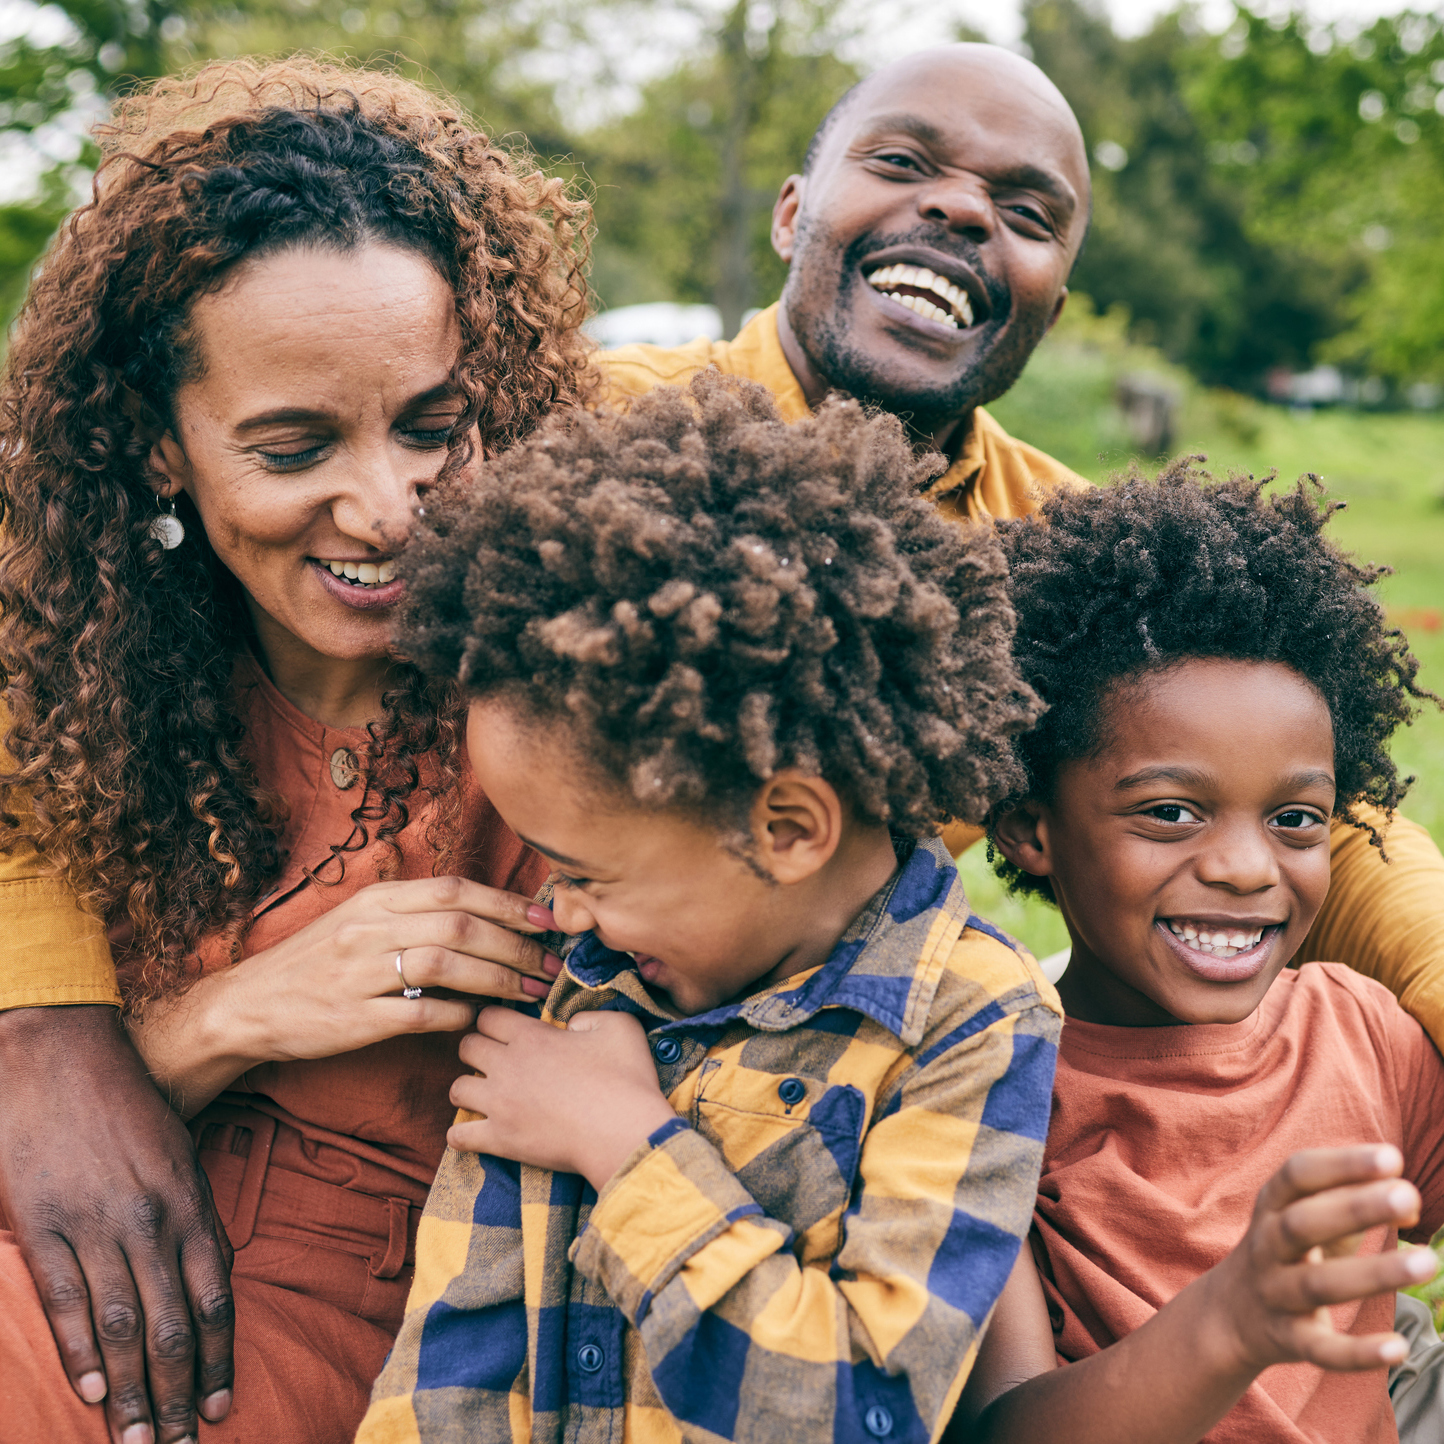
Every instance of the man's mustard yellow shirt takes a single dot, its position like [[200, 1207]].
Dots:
[[1384, 920]]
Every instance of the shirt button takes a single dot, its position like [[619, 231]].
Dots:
[[590, 1359], [666, 1050], [344, 770], [792, 1090], [878, 1421]]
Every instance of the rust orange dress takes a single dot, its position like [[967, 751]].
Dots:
[[319, 1167]]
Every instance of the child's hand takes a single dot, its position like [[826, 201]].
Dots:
[[579, 1101], [1273, 1291]]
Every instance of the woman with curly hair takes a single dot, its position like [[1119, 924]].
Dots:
[[301, 297]]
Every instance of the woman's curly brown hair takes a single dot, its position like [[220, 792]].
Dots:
[[116, 657], [1115, 582], [711, 594]]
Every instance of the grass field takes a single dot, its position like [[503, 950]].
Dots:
[[1387, 467]]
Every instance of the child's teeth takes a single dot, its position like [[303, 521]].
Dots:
[[1220, 944]]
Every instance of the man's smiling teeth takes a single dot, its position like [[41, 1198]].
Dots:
[[1217, 942], [365, 574], [959, 306]]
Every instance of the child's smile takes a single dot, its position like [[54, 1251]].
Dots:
[[1189, 854], [1222, 949]]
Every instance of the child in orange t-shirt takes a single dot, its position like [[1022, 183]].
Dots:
[[1214, 1244]]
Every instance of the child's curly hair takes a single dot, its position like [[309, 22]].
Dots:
[[713, 595], [1110, 583]]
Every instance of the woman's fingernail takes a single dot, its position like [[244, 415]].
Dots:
[[137, 1434], [1388, 1160], [1394, 1352], [534, 987], [540, 917], [551, 964], [215, 1407], [91, 1386]]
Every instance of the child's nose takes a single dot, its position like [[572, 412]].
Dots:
[[1242, 861], [571, 912]]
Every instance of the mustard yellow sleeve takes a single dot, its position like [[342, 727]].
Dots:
[[958, 837], [1386, 919], [51, 951]]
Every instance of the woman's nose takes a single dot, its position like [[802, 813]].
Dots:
[[379, 505]]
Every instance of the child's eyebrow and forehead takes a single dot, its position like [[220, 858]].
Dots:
[[1206, 780]]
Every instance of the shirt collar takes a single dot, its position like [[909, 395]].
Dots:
[[887, 964]]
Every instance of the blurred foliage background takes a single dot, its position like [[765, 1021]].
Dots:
[[1268, 198]]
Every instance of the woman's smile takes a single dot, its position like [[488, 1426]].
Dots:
[[367, 586]]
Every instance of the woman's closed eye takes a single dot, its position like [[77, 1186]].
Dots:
[[427, 433], [305, 454]]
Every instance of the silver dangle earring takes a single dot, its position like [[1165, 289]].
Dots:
[[167, 528]]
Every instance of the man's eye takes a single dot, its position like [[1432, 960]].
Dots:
[[899, 158], [1037, 216], [1171, 812]]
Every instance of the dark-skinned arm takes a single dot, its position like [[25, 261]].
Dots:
[[98, 1177]]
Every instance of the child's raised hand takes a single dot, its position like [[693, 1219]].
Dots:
[[578, 1100], [1297, 1258]]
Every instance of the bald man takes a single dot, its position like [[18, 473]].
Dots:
[[929, 239]]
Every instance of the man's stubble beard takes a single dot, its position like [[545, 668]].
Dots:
[[820, 296]]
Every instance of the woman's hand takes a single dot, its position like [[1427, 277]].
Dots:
[[579, 1100], [113, 1213], [333, 987]]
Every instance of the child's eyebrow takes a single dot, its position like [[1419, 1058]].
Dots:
[[1190, 777], [1185, 776], [552, 853]]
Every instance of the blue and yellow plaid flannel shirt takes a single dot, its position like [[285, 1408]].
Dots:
[[808, 1251]]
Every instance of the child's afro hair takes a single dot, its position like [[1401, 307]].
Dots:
[[1110, 583], [711, 594]]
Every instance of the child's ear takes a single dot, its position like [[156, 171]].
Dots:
[[1022, 837], [797, 824]]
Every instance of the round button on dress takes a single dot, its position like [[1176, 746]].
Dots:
[[344, 768]]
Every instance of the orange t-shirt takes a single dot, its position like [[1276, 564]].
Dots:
[[1162, 1137]]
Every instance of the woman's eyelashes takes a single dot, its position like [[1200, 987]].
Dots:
[[294, 460]]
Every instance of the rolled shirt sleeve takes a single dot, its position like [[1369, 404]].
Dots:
[[51, 950]]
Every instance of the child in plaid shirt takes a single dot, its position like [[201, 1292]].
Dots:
[[763, 1164]]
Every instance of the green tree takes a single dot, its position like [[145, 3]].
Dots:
[[685, 183]]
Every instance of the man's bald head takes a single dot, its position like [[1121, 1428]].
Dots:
[[963, 164], [960, 60]]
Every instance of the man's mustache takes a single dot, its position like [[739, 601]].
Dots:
[[1000, 297]]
